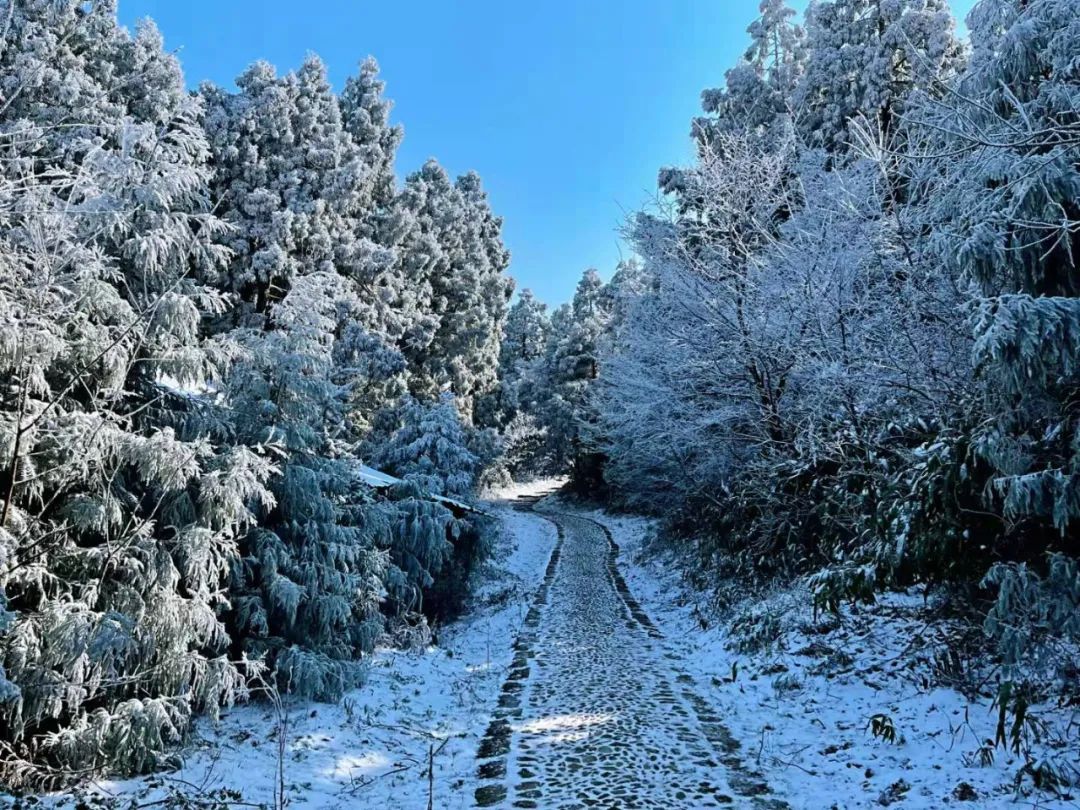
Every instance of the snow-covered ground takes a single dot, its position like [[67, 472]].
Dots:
[[804, 709], [802, 703], [373, 748]]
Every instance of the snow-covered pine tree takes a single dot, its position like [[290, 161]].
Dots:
[[455, 251], [525, 335], [757, 99], [572, 368], [431, 449], [628, 283], [366, 116], [758, 92], [480, 317], [117, 531], [521, 390], [393, 310], [285, 174], [864, 60]]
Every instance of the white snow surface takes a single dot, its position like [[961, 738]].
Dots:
[[372, 749], [809, 733]]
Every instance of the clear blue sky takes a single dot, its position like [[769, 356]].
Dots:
[[566, 108]]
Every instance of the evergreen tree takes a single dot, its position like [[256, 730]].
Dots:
[[434, 549], [455, 251], [392, 310], [1008, 206], [431, 448], [285, 172], [865, 58], [758, 92], [183, 397], [366, 115], [573, 367], [525, 336]]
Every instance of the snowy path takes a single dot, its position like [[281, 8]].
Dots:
[[595, 712]]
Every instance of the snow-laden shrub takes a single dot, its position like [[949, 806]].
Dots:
[[434, 546], [834, 585], [1035, 618], [526, 448], [431, 448]]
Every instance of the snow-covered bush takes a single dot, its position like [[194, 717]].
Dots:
[[526, 447], [1036, 618], [431, 448], [434, 546]]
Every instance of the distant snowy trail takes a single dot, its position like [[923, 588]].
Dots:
[[595, 712]]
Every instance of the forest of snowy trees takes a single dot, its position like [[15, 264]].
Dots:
[[214, 307], [850, 351], [847, 348]]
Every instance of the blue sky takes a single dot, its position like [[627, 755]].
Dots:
[[566, 108]]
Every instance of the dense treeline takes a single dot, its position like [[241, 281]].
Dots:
[[848, 350], [548, 368], [851, 351], [214, 307]]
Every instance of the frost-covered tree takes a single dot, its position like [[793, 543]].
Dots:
[[118, 523], [628, 283], [305, 181], [704, 337], [865, 58], [526, 330], [479, 317], [366, 115], [571, 369], [279, 156], [455, 253], [793, 325], [525, 337], [757, 99], [435, 546], [431, 448], [203, 306], [865, 367], [307, 191], [522, 389], [759, 91], [393, 306], [306, 591], [1006, 203], [350, 290]]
